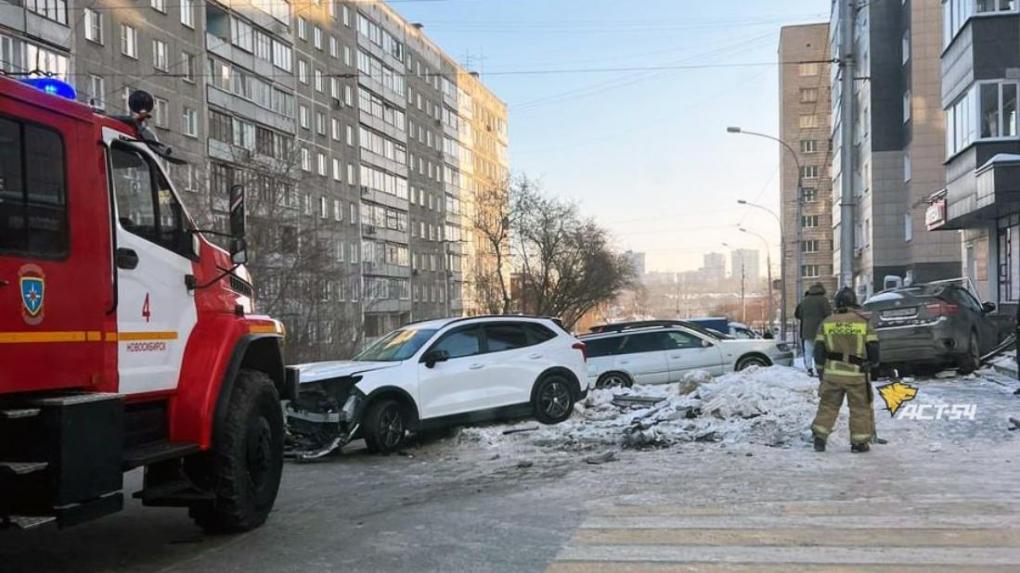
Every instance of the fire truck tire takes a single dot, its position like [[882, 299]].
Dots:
[[246, 461]]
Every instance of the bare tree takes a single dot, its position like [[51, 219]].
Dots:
[[493, 216], [561, 264], [302, 274]]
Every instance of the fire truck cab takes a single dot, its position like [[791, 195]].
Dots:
[[127, 338]]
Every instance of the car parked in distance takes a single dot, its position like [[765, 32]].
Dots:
[[660, 352], [934, 325], [437, 374], [726, 326]]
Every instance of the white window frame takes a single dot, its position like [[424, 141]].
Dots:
[[129, 41], [97, 87], [160, 56], [158, 5], [188, 13], [93, 21], [189, 121]]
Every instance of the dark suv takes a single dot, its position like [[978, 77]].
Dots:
[[936, 325]]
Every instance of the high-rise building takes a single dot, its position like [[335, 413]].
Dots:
[[804, 125], [982, 156], [347, 126], [897, 130], [745, 264], [714, 267]]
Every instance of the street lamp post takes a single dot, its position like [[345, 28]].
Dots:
[[782, 263], [768, 264], [798, 222]]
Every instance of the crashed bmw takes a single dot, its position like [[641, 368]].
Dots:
[[437, 374]]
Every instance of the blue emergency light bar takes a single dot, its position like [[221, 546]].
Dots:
[[53, 86]]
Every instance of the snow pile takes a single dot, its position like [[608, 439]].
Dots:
[[772, 406]]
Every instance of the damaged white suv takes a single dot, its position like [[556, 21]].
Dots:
[[437, 374]]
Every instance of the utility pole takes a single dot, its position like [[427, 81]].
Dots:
[[743, 301], [847, 14]]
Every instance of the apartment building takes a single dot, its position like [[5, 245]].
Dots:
[[898, 139], [484, 171], [745, 265], [980, 72], [342, 120], [805, 126]]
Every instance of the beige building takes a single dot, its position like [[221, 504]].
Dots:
[[485, 169], [804, 125]]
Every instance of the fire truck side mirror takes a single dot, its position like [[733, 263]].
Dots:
[[238, 244]]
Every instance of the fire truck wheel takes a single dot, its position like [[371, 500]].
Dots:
[[246, 461]]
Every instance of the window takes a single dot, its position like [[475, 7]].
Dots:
[[906, 46], [145, 204], [683, 341], [809, 172], [160, 112], [320, 123], [317, 37], [160, 60], [907, 102], [808, 121], [188, 13], [604, 346], [334, 47], [187, 67], [460, 343], [322, 164], [807, 69], [158, 5], [302, 28], [93, 26], [809, 221], [956, 13], [808, 95], [651, 342], [189, 122], [33, 205], [306, 159], [242, 35], [500, 337], [809, 246], [97, 89], [303, 118], [907, 167], [346, 16], [809, 271], [128, 41], [809, 146], [808, 195], [318, 81], [55, 10], [302, 71], [908, 228], [338, 215], [323, 208]]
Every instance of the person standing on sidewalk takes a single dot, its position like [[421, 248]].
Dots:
[[845, 350], [811, 312]]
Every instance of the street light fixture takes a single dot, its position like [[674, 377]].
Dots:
[[768, 263], [800, 206], [782, 263]]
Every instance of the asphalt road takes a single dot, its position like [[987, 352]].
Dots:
[[940, 497], [430, 512]]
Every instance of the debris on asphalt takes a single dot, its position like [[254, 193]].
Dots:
[[519, 430], [1016, 424], [621, 401], [525, 464], [605, 458]]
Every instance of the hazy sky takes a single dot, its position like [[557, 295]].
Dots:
[[645, 152]]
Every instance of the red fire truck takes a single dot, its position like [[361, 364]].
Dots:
[[127, 338]]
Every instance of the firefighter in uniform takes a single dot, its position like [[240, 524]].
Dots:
[[845, 349]]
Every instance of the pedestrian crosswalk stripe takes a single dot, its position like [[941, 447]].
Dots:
[[842, 537]]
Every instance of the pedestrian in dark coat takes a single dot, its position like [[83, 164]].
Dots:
[[811, 311]]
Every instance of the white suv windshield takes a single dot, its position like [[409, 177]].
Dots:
[[396, 346]]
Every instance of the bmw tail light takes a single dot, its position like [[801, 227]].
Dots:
[[941, 308], [583, 348]]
